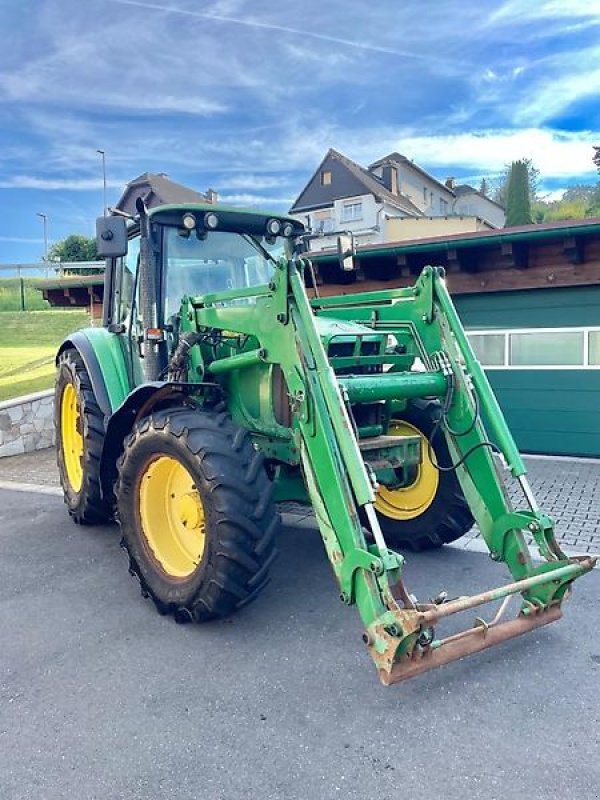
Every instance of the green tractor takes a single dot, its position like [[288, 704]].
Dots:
[[217, 388]]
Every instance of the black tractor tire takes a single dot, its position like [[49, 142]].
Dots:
[[235, 496], [448, 516], [79, 441]]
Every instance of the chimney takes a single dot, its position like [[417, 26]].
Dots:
[[451, 183], [211, 196]]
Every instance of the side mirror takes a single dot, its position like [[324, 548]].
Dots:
[[346, 251], [111, 237], [301, 246]]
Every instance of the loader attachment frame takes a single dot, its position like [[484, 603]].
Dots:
[[398, 630]]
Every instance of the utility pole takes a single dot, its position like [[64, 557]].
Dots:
[[45, 218], [103, 154]]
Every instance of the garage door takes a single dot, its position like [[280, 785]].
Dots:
[[541, 351]]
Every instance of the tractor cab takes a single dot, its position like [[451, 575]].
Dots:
[[162, 255]]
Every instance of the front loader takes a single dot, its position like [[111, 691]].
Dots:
[[216, 388]]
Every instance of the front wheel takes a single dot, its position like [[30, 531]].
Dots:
[[196, 512], [432, 510]]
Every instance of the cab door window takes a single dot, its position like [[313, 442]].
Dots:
[[126, 297]]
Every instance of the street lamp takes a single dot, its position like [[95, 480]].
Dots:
[[103, 154], [45, 218]]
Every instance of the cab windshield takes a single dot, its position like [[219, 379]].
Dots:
[[217, 262]]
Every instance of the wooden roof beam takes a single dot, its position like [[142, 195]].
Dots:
[[403, 265], [515, 254], [453, 260], [574, 249]]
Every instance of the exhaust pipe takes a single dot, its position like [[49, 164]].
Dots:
[[148, 293]]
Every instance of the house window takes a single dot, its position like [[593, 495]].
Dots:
[[351, 211], [594, 348], [443, 207], [322, 221], [425, 194], [323, 225], [325, 177], [489, 348], [545, 348]]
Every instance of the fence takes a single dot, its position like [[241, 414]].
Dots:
[[21, 285]]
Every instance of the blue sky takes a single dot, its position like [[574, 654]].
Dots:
[[246, 96]]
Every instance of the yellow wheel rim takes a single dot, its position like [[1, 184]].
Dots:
[[410, 501], [71, 437], [172, 516]]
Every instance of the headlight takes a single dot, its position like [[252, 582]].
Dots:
[[189, 222], [211, 221], [273, 227]]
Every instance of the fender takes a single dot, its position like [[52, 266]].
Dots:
[[134, 406], [104, 360]]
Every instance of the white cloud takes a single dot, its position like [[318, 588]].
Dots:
[[307, 33], [553, 196], [249, 199], [243, 181], [53, 184], [513, 10], [20, 240], [115, 66], [567, 81], [554, 153]]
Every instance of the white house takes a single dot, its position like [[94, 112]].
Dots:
[[342, 196]]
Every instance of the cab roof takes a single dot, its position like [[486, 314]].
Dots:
[[231, 218]]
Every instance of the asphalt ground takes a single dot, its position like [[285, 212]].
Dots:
[[567, 489], [100, 697]]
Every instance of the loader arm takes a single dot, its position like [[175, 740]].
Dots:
[[398, 630], [402, 648]]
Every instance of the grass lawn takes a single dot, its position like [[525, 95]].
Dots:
[[28, 344], [10, 295]]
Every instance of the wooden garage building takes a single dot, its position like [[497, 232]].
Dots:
[[530, 300]]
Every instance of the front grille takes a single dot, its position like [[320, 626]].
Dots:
[[369, 348], [341, 349]]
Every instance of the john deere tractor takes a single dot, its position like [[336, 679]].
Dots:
[[217, 387]]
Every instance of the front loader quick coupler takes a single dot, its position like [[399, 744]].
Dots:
[[416, 654]]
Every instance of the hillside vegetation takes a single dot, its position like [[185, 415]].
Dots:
[[28, 344], [11, 298]]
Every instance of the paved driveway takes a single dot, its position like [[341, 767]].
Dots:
[[567, 489], [102, 698]]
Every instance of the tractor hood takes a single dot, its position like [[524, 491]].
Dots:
[[341, 338]]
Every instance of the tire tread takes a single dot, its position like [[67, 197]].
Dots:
[[241, 493]]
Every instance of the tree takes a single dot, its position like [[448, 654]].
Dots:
[[484, 188], [577, 202], [518, 198], [593, 209], [500, 185], [74, 248], [560, 210], [579, 192]]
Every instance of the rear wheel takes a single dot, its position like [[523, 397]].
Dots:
[[79, 425], [432, 510], [196, 512]]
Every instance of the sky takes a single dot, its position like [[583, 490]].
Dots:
[[246, 97]]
